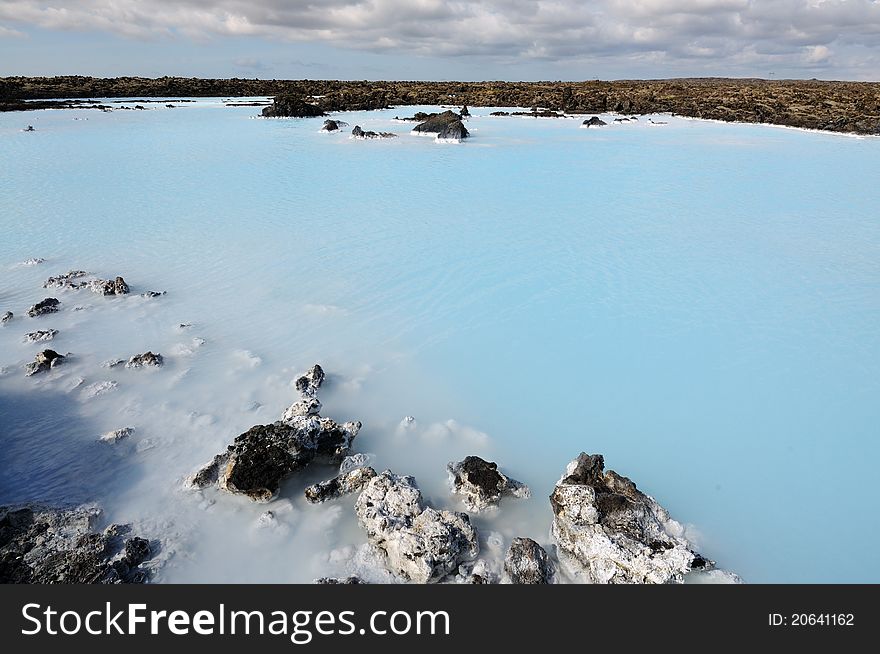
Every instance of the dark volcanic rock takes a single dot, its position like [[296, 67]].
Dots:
[[309, 382], [527, 563], [480, 483], [610, 532], [418, 117], [500, 113], [6, 318], [595, 121], [43, 362], [454, 131], [358, 133], [420, 544], [464, 113], [333, 125], [342, 484], [291, 105], [259, 459], [54, 546], [49, 305], [435, 123], [145, 359]]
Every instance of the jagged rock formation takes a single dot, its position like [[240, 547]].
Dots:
[[49, 305], [607, 531], [453, 131], [73, 280], [6, 318], [258, 460], [342, 484], [358, 133], [147, 359], [526, 562], [43, 362], [481, 485], [418, 543], [353, 579], [41, 335], [50, 546]]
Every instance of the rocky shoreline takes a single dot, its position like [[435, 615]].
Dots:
[[603, 529], [836, 106]]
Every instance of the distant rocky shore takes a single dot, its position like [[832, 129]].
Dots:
[[849, 107]]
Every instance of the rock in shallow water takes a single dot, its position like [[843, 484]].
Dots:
[[595, 121], [49, 305], [49, 546], [342, 484], [481, 485], [309, 382], [6, 318], [610, 532], [43, 362], [40, 335], [144, 360], [453, 131], [259, 459], [418, 543], [527, 563]]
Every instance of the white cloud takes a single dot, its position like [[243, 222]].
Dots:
[[730, 32]]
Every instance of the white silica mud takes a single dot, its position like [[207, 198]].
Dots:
[[696, 301]]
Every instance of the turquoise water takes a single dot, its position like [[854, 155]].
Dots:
[[698, 301]]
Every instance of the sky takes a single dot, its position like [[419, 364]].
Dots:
[[443, 40]]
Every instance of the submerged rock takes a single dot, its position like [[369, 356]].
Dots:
[[309, 382], [358, 133], [481, 485], [66, 281], [6, 318], [40, 335], [290, 105], [152, 294], [595, 121], [49, 305], [359, 460], [259, 459], [526, 562], [418, 543], [51, 546], [342, 484], [144, 360], [116, 435], [43, 362], [610, 532]]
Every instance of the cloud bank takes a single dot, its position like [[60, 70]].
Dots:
[[806, 34]]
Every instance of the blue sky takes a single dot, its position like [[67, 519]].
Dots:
[[434, 39]]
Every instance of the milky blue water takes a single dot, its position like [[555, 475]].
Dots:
[[700, 302]]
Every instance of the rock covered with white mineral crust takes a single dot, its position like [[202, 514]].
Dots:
[[607, 531], [310, 381], [40, 335], [43, 362], [418, 543], [147, 359], [526, 562], [258, 460], [7, 316], [344, 483], [481, 485], [40, 545]]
